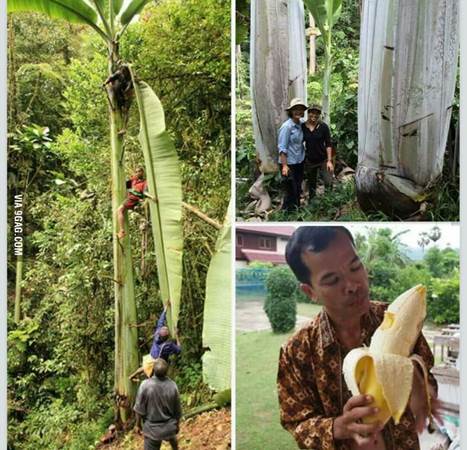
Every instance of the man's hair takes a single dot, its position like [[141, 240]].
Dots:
[[160, 367], [312, 239]]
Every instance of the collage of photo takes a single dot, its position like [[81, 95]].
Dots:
[[233, 225]]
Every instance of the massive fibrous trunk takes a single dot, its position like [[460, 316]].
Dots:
[[408, 67], [277, 70]]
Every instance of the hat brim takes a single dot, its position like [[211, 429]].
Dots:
[[297, 105], [315, 109]]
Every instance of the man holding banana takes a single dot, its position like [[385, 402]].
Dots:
[[315, 403]]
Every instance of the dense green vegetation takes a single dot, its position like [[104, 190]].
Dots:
[[61, 353], [391, 271]]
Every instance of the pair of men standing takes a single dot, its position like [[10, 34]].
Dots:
[[158, 400], [304, 150]]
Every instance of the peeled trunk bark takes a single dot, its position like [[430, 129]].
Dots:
[[126, 336], [408, 67], [277, 70]]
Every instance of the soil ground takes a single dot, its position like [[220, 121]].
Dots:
[[207, 431]]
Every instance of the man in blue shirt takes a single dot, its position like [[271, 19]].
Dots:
[[292, 154], [162, 347]]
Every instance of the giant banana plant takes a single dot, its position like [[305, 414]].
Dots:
[[326, 13], [217, 312], [277, 70], [109, 19], [408, 68], [165, 188]]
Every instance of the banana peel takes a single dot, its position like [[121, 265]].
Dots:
[[385, 370]]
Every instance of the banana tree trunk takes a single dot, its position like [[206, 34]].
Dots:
[[327, 79], [126, 336], [277, 70], [408, 67], [312, 45]]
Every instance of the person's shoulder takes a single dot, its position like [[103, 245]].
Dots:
[[303, 338], [287, 124], [171, 383], [146, 384]]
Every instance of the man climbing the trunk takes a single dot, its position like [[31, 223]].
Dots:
[[136, 192], [158, 404], [162, 347]]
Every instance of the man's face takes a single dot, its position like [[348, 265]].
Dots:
[[313, 115], [164, 331], [297, 113], [140, 173], [339, 281]]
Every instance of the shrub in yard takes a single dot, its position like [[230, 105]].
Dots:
[[280, 305]]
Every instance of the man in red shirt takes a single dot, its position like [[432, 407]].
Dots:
[[136, 191]]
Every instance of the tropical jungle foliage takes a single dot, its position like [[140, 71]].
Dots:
[[61, 353]]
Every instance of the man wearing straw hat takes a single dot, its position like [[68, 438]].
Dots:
[[292, 154]]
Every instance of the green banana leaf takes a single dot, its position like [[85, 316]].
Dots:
[[325, 13], [164, 184], [117, 5], [218, 312], [133, 8], [74, 11]]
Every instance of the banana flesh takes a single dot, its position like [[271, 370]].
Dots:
[[384, 370]]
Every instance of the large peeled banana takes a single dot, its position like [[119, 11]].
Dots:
[[384, 370]]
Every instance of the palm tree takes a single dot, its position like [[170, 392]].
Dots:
[[408, 67], [109, 19]]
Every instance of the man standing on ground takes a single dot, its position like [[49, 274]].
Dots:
[[315, 404], [318, 151], [158, 405]]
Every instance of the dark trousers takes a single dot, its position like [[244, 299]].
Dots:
[[311, 177], [292, 185], [151, 444]]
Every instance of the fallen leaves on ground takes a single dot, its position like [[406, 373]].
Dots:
[[207, 431]]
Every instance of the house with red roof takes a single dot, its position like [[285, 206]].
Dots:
[[263, 243]]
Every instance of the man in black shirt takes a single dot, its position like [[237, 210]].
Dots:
[[318, 150]]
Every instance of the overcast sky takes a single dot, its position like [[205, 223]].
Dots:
[[449, 232]]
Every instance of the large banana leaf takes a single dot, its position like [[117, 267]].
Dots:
[[116, 6], [217, 313], [164, 184], [74, 11], [133, 8], [325, 13]]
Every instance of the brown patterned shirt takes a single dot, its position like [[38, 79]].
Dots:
[[312, 390]]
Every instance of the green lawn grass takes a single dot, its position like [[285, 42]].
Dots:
[[308, 309], [258, 426]]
